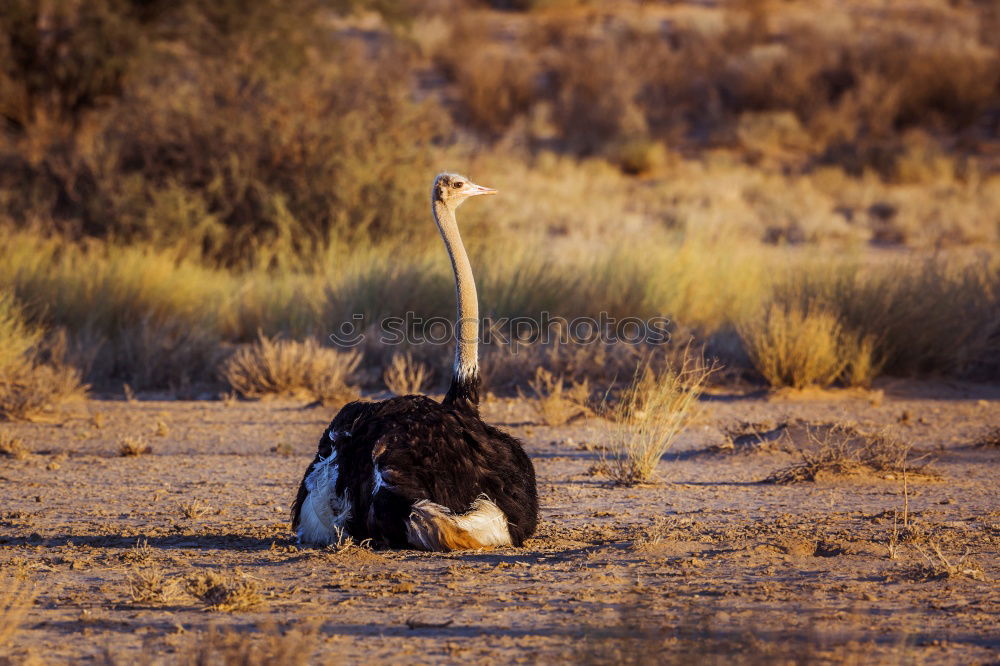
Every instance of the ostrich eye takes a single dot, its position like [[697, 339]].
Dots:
[[457, 184]]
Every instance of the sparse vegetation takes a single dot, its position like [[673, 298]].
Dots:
[[130, 446], [285, 367], [225, 592], [554, 402], [150, 585], [649, 416], [194, 509], [405, 376], [844, 450]]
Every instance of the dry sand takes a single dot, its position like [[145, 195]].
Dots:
[[707, 562]]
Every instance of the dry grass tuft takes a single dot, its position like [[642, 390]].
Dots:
[[16, 598], [554, 402], [225, 592], [405, 376], [650, 415], [195, 509], [844, 451], [33, 374], [140, 553], [12, 447], [345, 543], [130, 446], [797, 347], [285, 367], [151, 586], [32, 389]]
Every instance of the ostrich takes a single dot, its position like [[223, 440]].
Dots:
[[413, 472]]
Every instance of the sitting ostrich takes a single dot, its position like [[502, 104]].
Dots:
[[413, 472]]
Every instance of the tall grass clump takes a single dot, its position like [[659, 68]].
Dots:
[[792, 347], [289, 368], [34, 376], [651, 412], [132, 314], [937, 315]]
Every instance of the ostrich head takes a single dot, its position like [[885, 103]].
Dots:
[[452, 189]]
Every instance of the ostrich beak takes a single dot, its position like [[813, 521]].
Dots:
[[479, 189]]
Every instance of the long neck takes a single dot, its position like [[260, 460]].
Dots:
[[464, 389]]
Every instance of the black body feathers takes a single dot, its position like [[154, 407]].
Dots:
[[394, 453]]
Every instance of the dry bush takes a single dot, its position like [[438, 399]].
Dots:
[[554, 402], [938, 566], [800, 348], [12, 447], [290, 368], [650, 414], [228, 593], [405, 376], [129, 446], [843, 450], [16, 599]]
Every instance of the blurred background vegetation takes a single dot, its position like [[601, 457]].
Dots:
[[179, 176]]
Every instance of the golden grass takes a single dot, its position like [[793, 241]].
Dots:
[[652, 411], [801, 348], [34, 376], [405, 376], [141, 314], [290, 368]]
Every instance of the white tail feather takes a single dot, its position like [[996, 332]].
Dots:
[[434, 527], [323, 512]]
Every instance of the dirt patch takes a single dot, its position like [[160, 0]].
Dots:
[[707, 562]]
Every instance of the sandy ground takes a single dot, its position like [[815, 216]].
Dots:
[[708, 562]]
